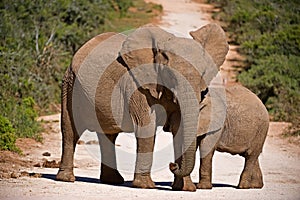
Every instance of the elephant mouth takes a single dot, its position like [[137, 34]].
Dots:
[[167, 127], [171, 122]]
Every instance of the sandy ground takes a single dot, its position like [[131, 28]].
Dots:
[[279, 160]]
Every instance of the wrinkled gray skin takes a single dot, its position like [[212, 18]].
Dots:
[[113, 83], [244, 132]]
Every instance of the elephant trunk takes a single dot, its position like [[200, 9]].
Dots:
[[189, 121]]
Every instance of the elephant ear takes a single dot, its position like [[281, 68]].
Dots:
[[140, 47], [213, 39]]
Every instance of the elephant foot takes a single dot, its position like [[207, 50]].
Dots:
[[254, 184], [65, 175], [188, 184], [250, 180], [184, 184], [204, 185], [111, 177], [143, 181]]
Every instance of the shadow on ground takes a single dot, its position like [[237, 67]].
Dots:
[[159, 185]]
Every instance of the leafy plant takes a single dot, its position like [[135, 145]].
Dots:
[[7, 135], [268, 32], [276, 80], [37, 42]]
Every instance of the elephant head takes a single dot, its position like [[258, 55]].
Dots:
[[183, 66]]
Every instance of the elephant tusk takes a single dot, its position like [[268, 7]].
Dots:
[[175, 100], [159, 94], [174, 95]]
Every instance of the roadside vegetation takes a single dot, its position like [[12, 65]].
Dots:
[[37, 41], [268, 32]]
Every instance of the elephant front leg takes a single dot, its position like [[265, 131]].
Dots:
[[184, 184], [205, 171], [109, 172], [145, 146]]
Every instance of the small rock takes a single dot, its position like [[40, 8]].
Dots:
[[51, 164], [92, 142], [37, 165], [14, 175], [80, 142], [24, 173], [35, 175], [46, 154], [5, 175]]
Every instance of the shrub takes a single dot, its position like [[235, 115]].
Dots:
[[37, 41], [7, 135], [269, 34], [22, 114], [123, 6], [276, 80], [26, 120]]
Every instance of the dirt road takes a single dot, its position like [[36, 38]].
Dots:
[[279, 161]]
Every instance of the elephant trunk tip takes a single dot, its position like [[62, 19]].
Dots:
[[175, 169]]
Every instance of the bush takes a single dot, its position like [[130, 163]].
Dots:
[[22, 114], [37, 41], [123, 6], [7, 135], [269, 34], [26, 120], [276, 80]]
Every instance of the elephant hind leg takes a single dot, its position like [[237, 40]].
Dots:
[[70, 139], [109, 172], [70, 135], [251, 176]]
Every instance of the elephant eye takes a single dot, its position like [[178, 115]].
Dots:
[[203, 94]]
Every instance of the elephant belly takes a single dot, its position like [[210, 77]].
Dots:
[[232, 145], [100, 115], [238, 132], [242, 129]]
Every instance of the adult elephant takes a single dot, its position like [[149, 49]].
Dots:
[[114, 83]]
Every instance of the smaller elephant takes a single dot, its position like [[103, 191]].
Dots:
[[243, 132]]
